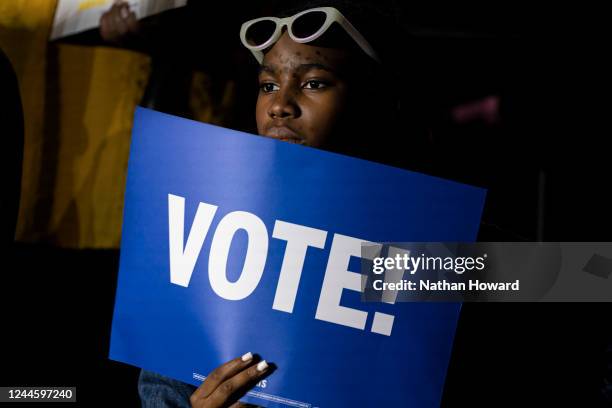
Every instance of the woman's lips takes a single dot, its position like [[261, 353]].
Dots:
[[284, 134]]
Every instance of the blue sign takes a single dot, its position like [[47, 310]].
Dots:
[[235, 243]]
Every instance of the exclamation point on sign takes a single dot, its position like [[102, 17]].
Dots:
[[383, 322]]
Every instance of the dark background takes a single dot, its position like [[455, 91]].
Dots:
[[545, 163]]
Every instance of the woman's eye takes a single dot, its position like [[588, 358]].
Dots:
[[268, 87], [314, 84]]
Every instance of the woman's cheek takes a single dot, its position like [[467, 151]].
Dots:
[[311, 122], [261, 114]]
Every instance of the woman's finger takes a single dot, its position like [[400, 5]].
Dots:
[[234, 387], [132, 22], [124, 10], [104, 29], [221, 374], [111, 22], [120, 23]]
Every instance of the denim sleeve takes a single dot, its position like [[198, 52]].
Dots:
[[157, 391]]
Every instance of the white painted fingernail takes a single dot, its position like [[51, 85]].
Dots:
[[262, 365], [248, 356]]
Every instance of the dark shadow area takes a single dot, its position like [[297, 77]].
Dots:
[[526, 354], [57, 307]]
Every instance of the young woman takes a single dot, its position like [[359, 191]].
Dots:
[[321, 84]]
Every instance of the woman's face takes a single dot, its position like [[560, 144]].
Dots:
[[302, 92]]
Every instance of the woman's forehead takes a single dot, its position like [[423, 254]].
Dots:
[[287, 54]]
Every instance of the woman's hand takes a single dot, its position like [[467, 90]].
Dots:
[[229, 382], [118, 23]]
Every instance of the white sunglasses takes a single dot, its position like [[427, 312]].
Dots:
[[304, 27]]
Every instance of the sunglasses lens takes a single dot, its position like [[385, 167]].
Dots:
[[308, 24], [260, 32]]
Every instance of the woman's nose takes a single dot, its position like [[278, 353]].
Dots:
[[284, 105]]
